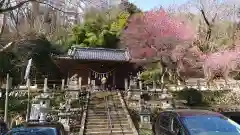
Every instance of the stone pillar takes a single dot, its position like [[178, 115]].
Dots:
[[140, 85], [89, 77], [126, 84], [198, 85], [154, 85], [68, 81], [89, 81], [178, 82], [45, 87], [42, 117], [80, 83], [93, 83]]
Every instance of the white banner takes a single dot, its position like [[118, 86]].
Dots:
[[27, 72]]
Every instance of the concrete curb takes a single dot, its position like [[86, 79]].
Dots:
[[84, 116], [135, 132]]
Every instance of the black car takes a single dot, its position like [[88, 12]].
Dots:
[[58, 126], [235, 116], [194, 122], [3, 128]]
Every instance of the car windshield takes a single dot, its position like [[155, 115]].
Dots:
[[210, 125], [32, 131]]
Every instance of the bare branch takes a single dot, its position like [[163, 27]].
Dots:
[[6, 47], [20, 4], [204, 17], [214, 18]]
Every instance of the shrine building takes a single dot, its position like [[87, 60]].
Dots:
[[91, 64]]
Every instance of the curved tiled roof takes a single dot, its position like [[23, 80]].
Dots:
[[101, 54]]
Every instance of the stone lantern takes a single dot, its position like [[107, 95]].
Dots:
[[64, 115], [145, 118]]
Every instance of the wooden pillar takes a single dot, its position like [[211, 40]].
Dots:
[[62, 86], [114, 80], [126, 83]]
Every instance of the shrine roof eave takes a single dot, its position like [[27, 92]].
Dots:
[[87, 60]]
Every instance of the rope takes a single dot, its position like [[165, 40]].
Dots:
[[102, 73]]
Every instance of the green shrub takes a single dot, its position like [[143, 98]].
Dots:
[[192, 96], [198, 98]]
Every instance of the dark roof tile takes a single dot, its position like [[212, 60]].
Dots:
[[102, 54]]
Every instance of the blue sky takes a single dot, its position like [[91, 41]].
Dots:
[[149, 4]]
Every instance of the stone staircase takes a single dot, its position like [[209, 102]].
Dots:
[[99, 122]]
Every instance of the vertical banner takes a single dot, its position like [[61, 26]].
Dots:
[[28, 69]]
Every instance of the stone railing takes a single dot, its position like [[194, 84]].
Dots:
[[84, 116], [135, 132]]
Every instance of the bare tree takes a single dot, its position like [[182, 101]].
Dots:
[[24, 19]]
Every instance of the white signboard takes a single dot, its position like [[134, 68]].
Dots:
[[35, 112]]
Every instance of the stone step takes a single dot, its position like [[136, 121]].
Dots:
[[109, 132], [105, 109], [119, 111], [118, 125], [103, 104], [90, 116], [105, 112], [103, 101], [106, 129], [106, 120], [99, 114], [101, 109]]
